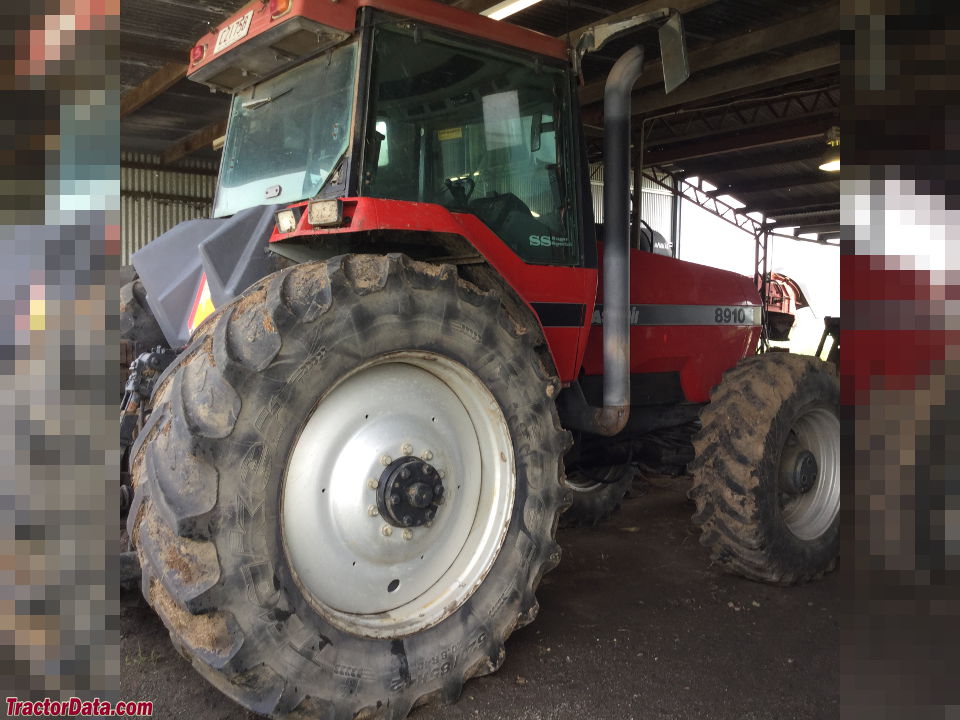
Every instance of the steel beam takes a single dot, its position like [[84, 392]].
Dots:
[[803, 128], [751, 187]]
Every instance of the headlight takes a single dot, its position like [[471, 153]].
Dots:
[[321, 213], [286, 221]]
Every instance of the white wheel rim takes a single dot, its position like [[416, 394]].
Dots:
[[810, 515], [364, 574]]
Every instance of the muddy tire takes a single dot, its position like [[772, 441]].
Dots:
[[766, 478], [593, 501], [137, 323], [263, 444]]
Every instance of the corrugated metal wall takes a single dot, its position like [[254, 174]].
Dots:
[[153, 199], [656, 208]]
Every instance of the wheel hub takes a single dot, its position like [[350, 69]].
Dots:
[[810, 474], [798, 470], [409, 492]]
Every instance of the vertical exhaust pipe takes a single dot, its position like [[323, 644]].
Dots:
[[576, 413], [612, 417], [616, 245]]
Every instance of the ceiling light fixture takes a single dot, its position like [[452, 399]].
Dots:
[[507, 8], [830, 160]]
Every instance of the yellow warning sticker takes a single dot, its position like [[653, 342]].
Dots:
[[450, 133]]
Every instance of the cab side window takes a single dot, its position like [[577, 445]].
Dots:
[[475, 132]]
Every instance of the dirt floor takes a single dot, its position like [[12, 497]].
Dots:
[[635, 623]]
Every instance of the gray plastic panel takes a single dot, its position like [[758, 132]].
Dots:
[[230, 250]]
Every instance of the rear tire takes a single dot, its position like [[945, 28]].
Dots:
[[758, 523], [219, 456], [593, 501]]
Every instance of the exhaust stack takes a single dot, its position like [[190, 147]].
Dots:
[[612, 417], [616, 247]]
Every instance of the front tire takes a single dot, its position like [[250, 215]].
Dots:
[[766, 478], [260, 530]]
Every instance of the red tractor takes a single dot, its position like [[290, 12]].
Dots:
[[393, 361]]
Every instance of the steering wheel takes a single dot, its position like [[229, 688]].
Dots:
[[460, 190]]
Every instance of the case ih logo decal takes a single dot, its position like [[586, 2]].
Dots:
[[741, 315]]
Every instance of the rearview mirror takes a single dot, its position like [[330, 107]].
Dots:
[[673, 53]]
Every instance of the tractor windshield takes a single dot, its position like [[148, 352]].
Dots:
[[287, 134]]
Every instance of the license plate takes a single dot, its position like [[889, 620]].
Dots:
[[237, 30]]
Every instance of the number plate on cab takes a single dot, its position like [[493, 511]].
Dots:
[[235, 31]]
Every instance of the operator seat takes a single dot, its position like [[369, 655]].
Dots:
[[649, 240]]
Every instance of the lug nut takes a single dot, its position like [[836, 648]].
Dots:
[[387, 530], [407, 520], [394, 499], [372, 511], [407, 449], [442, 474], [407, 535], [373, 484], [405, 474], [385, 460], [427, 455]]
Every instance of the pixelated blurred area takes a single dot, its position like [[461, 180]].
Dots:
[[60, 237], [900, 287]]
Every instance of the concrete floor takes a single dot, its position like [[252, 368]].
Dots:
[[635, 623]]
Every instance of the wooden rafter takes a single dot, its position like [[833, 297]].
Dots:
[[743, 79], [155, 85], [815, 24], [197, 141], [682, 6]]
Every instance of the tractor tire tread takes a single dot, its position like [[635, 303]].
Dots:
[[197, 404]]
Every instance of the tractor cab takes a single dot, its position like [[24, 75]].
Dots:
[[402, 110]]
